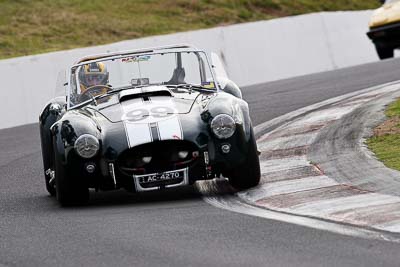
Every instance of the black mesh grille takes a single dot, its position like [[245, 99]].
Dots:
[[164, 157]]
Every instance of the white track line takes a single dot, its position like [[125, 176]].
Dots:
[[393, 226], [325, 208], [275, 165], [287, 142], [234, 204], [286, 187], [315, 212]]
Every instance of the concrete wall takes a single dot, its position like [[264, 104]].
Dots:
[[252, 52]]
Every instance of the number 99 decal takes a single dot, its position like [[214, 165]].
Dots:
[[142, 114]]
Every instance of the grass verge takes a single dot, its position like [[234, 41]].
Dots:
[[37, 26], [386, 140]]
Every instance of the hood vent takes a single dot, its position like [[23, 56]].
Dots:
[[144, 93]]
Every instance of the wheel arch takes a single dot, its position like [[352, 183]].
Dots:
[[51, 113]]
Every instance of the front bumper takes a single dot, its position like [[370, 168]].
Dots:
[[386, 36], [114, 170]]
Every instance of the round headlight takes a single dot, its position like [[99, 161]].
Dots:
[[87, 146], [223, 126]]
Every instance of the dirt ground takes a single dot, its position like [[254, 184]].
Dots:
[[390, 126]]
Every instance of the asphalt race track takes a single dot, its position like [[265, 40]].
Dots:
[[175, 228]]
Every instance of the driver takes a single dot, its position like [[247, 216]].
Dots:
[[94, 75]]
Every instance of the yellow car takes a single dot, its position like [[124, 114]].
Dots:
[[385, 28]]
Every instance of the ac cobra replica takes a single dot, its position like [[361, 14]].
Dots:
[[146, 120]]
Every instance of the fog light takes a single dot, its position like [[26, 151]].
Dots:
[[195, 154], [146, 159], [183, 154], [226, 148], [90, 168]]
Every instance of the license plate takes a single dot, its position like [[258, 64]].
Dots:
[[159, 177]]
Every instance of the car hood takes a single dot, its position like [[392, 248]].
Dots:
[[388, 13], [146, 105]]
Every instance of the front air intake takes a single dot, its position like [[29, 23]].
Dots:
[[159, 156], [142, 93]]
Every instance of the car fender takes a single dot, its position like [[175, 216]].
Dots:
[[228, 104], [65, 132], [51, 113]]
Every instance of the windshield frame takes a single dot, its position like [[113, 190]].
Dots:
[[71, 76]]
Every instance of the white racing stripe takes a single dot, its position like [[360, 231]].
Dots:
[[139, 116], [170, 129], [137, 133]]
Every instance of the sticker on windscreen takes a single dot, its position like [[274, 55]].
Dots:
[[135, 59], [209, 85]]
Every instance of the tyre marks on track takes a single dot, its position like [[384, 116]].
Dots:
[[292, 185]]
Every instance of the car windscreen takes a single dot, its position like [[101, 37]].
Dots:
[[96, 78]]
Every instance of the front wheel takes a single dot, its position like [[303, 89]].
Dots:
[[247, 174], [70, 190]]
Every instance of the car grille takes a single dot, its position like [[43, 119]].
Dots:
[[159, 156]]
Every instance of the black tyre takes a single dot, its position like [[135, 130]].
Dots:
[[247, 174], [48, 162], [70, 190], [384, 52]]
